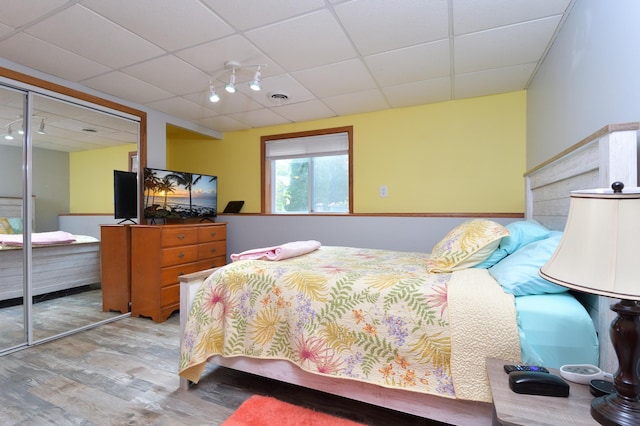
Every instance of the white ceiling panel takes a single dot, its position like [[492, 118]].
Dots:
[[357, 103], [379, 25], [166, 25], [500, 80], [15, 14], [305, 111], [248, 14], [329, 57], [473, 15], [93, 36], [125, 86], [421, 92], [422, 62], [162, 72], [30, 51], [304, 42], [336, 79]]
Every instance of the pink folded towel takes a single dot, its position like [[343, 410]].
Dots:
[[38, 238], [281, 252]]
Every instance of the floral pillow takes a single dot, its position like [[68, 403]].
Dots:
[[466, 245]]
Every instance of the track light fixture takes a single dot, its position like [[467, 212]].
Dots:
[[213, 96], [231, 86], [9, 134], [235, 68]]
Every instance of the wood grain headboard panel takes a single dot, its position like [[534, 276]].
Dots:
[[608, 155]]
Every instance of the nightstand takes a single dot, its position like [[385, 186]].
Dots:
[[511, 408]]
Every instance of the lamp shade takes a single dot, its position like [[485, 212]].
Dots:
[[600, 245]]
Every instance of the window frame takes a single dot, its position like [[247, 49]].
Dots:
[[265, 165]]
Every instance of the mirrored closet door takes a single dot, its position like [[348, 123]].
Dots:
[[12, 155], [63, 154]]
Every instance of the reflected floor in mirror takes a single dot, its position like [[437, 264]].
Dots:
[[53, 314]]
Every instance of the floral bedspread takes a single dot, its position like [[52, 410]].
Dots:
[[370, 315]]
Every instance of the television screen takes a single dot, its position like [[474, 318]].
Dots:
[[170, 194], [125, 195]]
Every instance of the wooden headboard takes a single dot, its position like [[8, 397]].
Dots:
[[12, 207], [608, 155]]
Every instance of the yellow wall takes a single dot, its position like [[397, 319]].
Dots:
[[464, 156], [91, 178]]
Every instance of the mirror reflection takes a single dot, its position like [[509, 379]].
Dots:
[[75, 152]]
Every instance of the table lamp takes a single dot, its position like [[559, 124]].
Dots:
[[597, 254]]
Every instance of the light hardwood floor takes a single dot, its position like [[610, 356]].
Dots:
[[125, 373]]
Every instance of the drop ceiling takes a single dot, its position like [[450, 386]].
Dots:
[[329, 57]]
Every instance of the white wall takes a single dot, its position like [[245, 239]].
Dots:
[[590, 78]]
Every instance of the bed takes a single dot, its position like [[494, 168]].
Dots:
[[433, 373], [55, 267]]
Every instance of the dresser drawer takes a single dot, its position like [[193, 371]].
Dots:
[[170, 295], [212, 233], [169, 275], [216, 248], [178, 255], [214, 262], [177, 236]]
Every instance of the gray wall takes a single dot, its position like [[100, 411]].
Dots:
[[50, 182], [418, 234], [590, 78]]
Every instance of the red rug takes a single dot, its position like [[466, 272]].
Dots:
[[266, 411]]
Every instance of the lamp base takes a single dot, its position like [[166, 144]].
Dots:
[[613, 410]]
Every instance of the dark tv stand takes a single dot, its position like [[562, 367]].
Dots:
[[127, 220], [208, 219]]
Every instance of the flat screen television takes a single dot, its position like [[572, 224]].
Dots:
[[172, 194], [125, 195]]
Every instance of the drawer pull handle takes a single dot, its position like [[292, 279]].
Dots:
[[181, 236], [213, 234], [181, 255], [213, 250], [180, 273]]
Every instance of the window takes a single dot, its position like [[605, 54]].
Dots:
[[308, 172]]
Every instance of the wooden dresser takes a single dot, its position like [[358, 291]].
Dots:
[[115, 262], [160, 254]]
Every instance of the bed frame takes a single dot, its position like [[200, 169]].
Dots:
[[54, 268], [607, 155]]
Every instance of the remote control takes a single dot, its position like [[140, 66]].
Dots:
[[520, 367], [583, 373]]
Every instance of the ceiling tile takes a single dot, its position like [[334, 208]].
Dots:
[[259, 118], [182, 108], [511, 45], [357, 103], [336, 79], [494, 81], [223, 123], [162, 72], [212, 56], [165, 26], [122, 85], [473, 15], [283, 83], [421, 62], [304, 111], [304, 42], [16, 14], [379, 25], [247, 14], [85, 33], [422, 92], [35, 53]]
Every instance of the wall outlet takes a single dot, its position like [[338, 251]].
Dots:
[[384, 191]]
